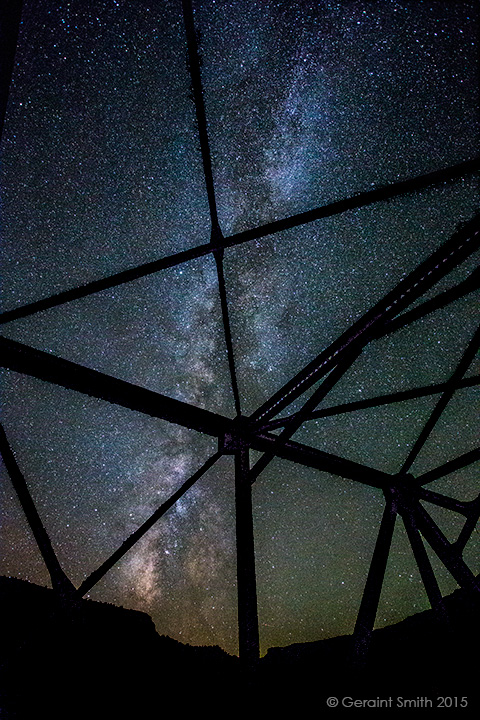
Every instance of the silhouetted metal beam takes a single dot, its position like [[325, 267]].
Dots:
[[470, 525], [10, 16], [449, 555], [371, 595], [97, 574], [459, 506], [227, 331], [425, 567], [469, 285], [249, 646], [362, 199], [294, 423], [105, 283], [462, 244], [356, 201], [469, 508], [449, 467], [460, 370], [195, 75], [36, 363], [320, 460], [216, 233], [401, 396], [44, 366], [60, 582]]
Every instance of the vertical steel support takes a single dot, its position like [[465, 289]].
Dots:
[[249, 646], [426, 571], [373, 587]]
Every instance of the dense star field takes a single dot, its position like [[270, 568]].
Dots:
[[306, 103]]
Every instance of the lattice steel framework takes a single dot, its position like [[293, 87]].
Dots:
[[403, 492]]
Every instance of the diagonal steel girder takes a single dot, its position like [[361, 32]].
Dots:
[[467, 286], [451, 466], [378, 401], [27, 360], [292, 425], [45, 366], [354, 202], [449, 554], [132, 539], [425, 567], [447, 395], [60, 582], [454, 251]]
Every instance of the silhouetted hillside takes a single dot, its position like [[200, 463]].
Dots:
[[102, 661], [98, 660], [418, 657]]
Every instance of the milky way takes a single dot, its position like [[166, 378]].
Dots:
[[306, 103]]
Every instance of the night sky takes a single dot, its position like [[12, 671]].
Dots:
[[307, 103]]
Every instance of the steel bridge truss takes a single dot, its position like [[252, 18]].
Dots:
[[404, 493]]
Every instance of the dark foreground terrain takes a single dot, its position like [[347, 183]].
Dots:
[[101, 661]]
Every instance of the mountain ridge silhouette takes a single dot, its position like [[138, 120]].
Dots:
[[108, 661]]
